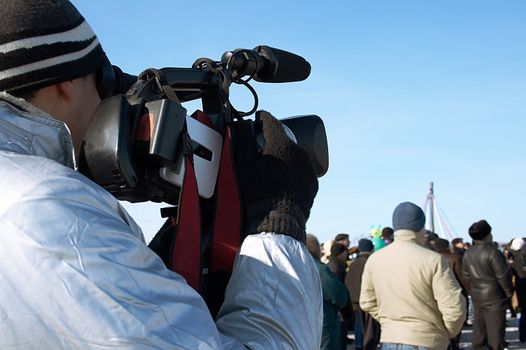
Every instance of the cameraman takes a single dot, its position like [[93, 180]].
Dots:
[[76, 272]]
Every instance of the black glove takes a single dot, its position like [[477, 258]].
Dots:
[[278, 184]]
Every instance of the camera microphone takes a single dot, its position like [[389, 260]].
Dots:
[[264, 63], [267, 64], [281, 66]]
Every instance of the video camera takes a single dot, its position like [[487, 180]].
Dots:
[[138, 143]]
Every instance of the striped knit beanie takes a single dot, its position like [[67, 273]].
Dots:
[[44, 42]]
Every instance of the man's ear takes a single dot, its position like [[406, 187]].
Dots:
[[65, 89]]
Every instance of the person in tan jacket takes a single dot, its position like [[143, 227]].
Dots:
[[411, 290]]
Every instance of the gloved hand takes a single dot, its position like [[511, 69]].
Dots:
[[277, 185]]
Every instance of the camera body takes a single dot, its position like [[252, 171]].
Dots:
[[133, 144], [132, 150], [141, 142]]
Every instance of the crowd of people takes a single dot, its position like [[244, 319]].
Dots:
[[416, 290]]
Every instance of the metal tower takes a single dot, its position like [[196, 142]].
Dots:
[[431, 208]]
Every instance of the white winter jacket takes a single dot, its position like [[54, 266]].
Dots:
[[77, 274]]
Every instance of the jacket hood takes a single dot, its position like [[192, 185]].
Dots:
[[28, 130]]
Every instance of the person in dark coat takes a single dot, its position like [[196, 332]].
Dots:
[[338, 265], [458, 246], [489, 275], [441, 246], [338, 260], [518, 267], [366, 328], [454, 259], [335, 296]]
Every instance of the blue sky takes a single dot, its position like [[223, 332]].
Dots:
[[410, 92]]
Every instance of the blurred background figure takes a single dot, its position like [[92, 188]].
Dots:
[[343, 239], [338, 260], [426, 239], [327, 251], [457, 246], [387, 235], [366, 328], [353, 253], [335, 297], [517, 257], [441, 246], [338, 265], [376, 238]]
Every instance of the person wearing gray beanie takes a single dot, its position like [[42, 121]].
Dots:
[[418, 275], [78, 273], [365, 245], [408, 216]]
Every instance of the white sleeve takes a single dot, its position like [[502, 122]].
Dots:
[[274, 297], [79, 275]]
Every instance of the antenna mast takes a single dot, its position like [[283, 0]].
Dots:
[[431, 201], [434, 211]]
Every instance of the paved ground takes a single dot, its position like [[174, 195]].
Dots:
[[512, 336]]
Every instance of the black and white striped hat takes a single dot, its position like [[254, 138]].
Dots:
[[44, 42]]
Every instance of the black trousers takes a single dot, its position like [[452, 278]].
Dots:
[[454, 343], [489, 329], [371, 331]]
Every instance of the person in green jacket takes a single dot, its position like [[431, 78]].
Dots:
[[335, 296]]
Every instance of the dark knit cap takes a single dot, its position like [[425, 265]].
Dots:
[[44, 42], [365, 245], [408, 216], [337, 249], [341, 237], [479, 230], [387, 232]]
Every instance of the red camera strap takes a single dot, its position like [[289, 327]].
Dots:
[[226, 227], [186, 248], [227, 221]]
